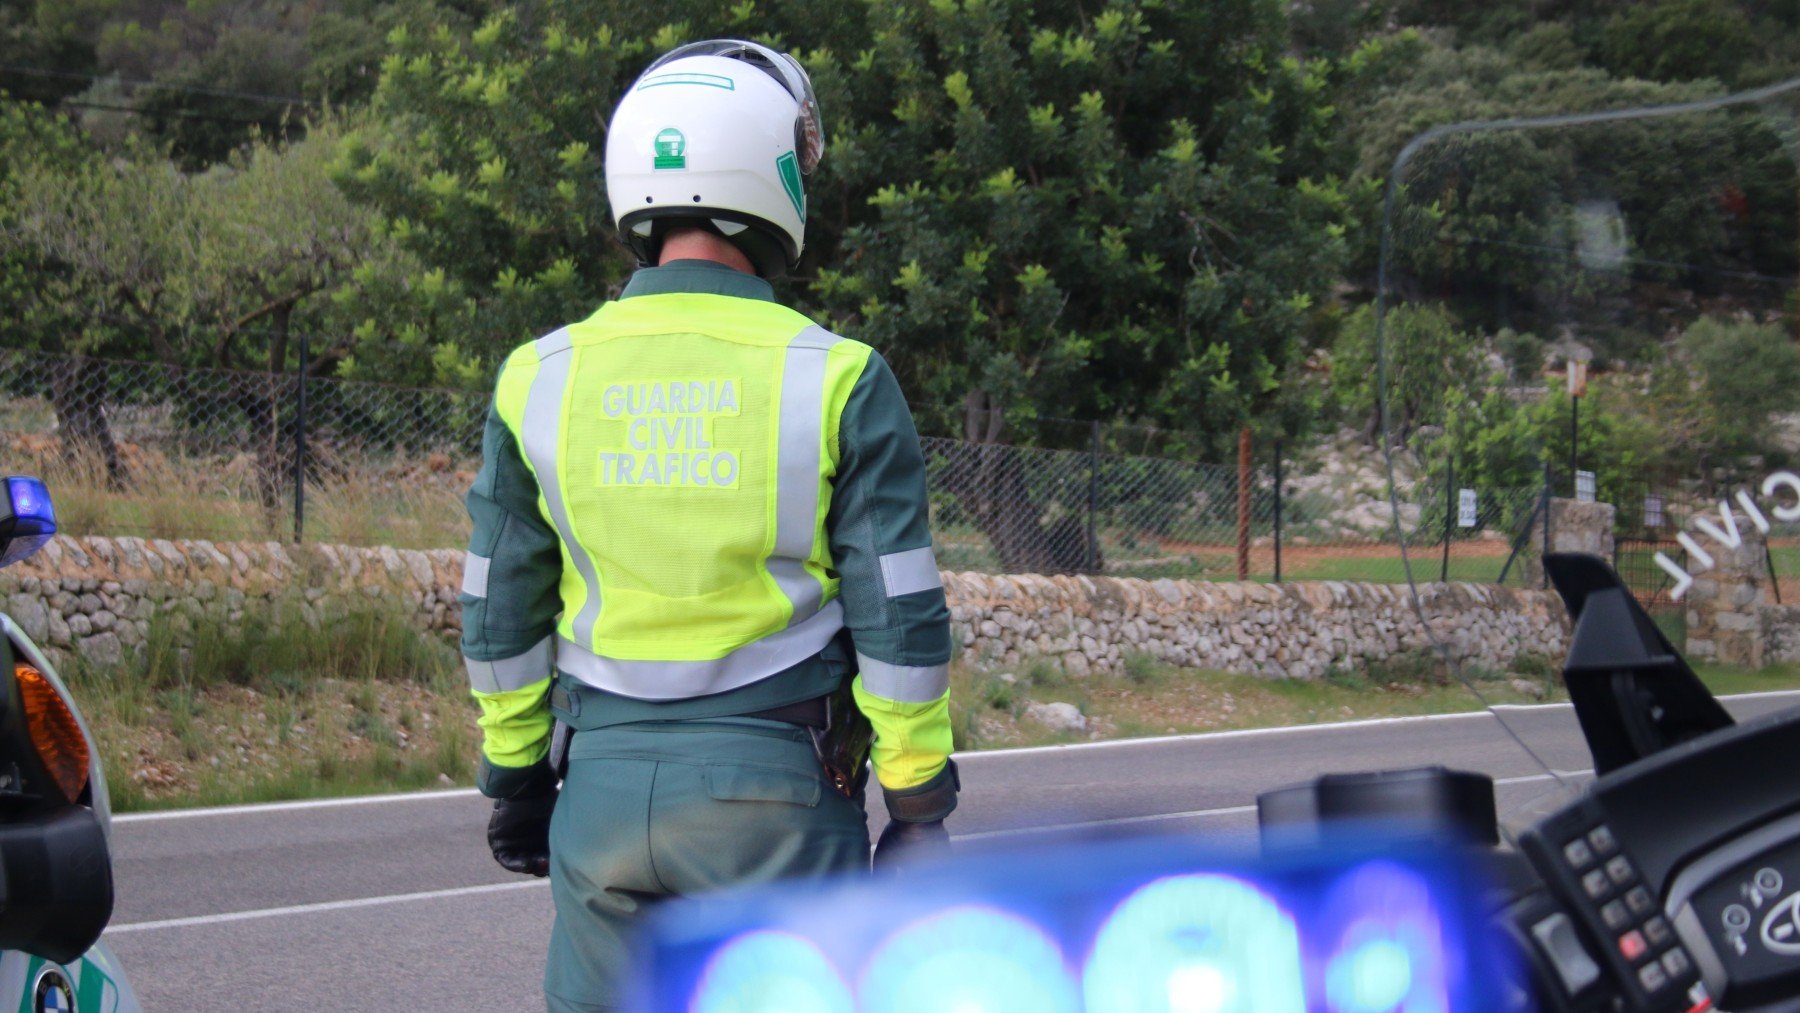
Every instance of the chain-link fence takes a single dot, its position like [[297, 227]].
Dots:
[[160, 451], [132, 448]]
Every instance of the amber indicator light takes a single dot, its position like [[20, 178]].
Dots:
[[54, 732]]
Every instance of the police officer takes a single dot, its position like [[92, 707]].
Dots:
[[698, 514]]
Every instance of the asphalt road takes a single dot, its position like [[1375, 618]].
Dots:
[[393, 902]]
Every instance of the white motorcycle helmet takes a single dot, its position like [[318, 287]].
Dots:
[[717, 135]]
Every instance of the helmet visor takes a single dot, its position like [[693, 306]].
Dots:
[[809, 127]]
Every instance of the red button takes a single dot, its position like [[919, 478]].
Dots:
[[1632, 945]]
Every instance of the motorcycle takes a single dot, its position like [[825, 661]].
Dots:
[[1668, 884], [1671, 882], [55, 817]]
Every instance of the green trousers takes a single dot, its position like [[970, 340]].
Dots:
[[662, 809]]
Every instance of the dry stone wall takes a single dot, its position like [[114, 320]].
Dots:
[[1730, 617], [1575, 526], [96, 598], [1783, 625], [1300, 630]]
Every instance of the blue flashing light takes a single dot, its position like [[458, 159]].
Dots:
[[32, 520], [969, 959], [771, 972], [1388, 953], [1374, 977], [1198, 943], [1154, 923], [30, 500]]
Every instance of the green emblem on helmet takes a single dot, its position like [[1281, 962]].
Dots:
[[671, 149], [789, 168]]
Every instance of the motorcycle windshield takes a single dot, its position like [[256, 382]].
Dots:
[[1583, 339]]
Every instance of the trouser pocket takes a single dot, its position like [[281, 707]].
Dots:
[[728, 782]]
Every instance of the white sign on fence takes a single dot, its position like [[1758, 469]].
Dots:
[[1465, 508], [1653, 511], [1584, 486]]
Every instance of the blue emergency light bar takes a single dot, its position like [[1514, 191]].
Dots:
[[28, 520], [1144, 924]]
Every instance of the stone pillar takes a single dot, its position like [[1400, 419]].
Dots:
[[1725, 614], [1574, 527]]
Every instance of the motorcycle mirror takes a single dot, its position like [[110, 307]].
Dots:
[[1633, 693], [28, 519], [58, 884], [1427, 804]]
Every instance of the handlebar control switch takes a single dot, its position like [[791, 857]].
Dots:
[[1556, 939], [1611, 905]]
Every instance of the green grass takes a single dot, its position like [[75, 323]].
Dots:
[[989, 704], [1427, 565], [379, 772], [1153, 698], [1787, 559], [399, 502], [279, 705], [1724, 680]]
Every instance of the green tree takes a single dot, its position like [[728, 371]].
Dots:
[[33, 142], [1548, 229], [32, 37], [1722, 389], [1432, 364], [1092, 216], [1679, 40], [485, 159], [1502, 441], [1030, 210], [202, 78], [213, 269], [222, 269]]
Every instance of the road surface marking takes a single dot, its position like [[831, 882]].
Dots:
[[278, 807], [1245, 733], [426, 796], [467, 891], [334, 905], [1233, 810]]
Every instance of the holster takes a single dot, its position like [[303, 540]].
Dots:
[[560, 735], [842, 746]]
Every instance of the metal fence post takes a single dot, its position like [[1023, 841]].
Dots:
[[1774, 578], [300, 447], [1544, 570], [1093, 531], [1449, 500], [1243, 504], [1277, 511]]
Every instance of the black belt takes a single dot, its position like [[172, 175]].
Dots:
[[807, 713]]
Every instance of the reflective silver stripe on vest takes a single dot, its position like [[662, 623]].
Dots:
[[542, 437], [516, 672], [797, 469], [475, 575], [903, 683], [910, 572], [682, 680]]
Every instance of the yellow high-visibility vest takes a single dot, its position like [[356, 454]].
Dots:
[[684, 446]]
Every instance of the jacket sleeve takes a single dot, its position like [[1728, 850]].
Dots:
[[892, 594], [510, 601]]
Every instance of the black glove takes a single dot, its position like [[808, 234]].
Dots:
[[519, 831], [903, 845], [915, 830]]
